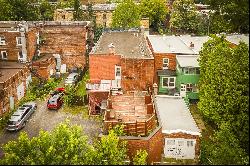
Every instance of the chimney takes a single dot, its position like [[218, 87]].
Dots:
[[111, 48], [191, 45]]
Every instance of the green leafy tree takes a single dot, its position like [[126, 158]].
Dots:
[[126, 15], [140, 157], [78, 13], [155, 10], [46, 10], [111, 150], [224, 93], [65, 145], [68, 98], [232, 13], [184, 17]]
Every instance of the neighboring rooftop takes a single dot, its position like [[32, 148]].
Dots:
[[197, 41], [188, 60], [8, 69], [236, 38], [169, 44], [175, 116], [130, 44]]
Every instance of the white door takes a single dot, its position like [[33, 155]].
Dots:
[[20, 91], [183, 90], [190, 149], [63, 68], [12, 104]]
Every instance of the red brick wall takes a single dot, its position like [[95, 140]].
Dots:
[[187, 136], [153, 145], [95, 98], [102, 67], [11, 45], [159, 63], [10, 86], [31, 43], [68, 41], [137, 73]]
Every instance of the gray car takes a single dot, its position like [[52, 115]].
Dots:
[[20, 116]]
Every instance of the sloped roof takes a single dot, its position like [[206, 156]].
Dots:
[[174, 115], [236, 38], [188, 60]]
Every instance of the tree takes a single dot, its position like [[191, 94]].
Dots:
[[126, 15], [77, 10], [155, 10], [184, 17], [46, 10], [224, 93], [232, 12], [140, 157], [64, 145], [111, 150]]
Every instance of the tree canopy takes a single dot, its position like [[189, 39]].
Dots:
[[67, 145], [230, 15], [126, 15], [224, 100], [155, 10], [184, 17]]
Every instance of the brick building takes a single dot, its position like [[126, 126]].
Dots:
[[14, 80]]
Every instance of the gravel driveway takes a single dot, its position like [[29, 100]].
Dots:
[[47, 120]]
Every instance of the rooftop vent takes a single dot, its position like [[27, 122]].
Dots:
[[191, 45], [111, 48]]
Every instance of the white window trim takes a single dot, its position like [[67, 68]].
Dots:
[[195, 68], [165, 63], [2, 42], [168, 82], [116, 67], [2, 54], [17, 41]]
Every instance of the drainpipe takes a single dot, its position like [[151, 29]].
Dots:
[[58, 64]]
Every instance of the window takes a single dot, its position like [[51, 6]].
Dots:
[[191, 70], [165, 63], [19, 41], [117, 72], [20, 55], [63, 17], [4, 54], [189, 87], [170, 142], [168, 82], [2, 40], [197, 70], [190, 143]]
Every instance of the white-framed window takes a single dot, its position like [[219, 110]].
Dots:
[[168, 82], [190, 143], [118, 72], [191, 70], [165, 63], [2, 40], [189, 87], [4, 54], [20, 55], [18, 41]]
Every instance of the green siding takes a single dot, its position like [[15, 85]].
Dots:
[[182, 78]]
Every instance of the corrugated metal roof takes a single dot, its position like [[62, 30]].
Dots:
[[174, 115], [236, 38], [188, 60], [169, 44]]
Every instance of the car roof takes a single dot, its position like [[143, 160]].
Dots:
[[54, 97], [21, 109]]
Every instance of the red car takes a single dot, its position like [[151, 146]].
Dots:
[[56, 99]]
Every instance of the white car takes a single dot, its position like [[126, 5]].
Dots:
[[20, 116], [71, 79]]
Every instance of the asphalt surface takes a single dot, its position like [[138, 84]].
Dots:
[[46, 119]]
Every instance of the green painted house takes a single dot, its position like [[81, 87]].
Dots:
[[167, 81], [187, 76]]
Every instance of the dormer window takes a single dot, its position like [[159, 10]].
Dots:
[[2, 40], [165, 63], [19, 41]]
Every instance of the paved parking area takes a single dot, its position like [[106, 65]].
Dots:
[[47, 120]]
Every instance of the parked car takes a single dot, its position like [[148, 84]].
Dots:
[[20, 116], [56, 99], [71, 79]]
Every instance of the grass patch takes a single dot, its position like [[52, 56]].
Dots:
[[75, 110]]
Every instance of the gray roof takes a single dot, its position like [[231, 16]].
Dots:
[[196, 40], [169, 44], [174, 116], [187, 60], [236, 38], [166, 72], [129, 44]]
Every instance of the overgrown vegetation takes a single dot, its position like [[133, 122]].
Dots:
[[67, 145], [224, 101]]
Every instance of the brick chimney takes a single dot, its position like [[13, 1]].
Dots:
[[111, 48]]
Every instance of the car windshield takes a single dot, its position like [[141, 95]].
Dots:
[[52, 102], [11, 122]]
